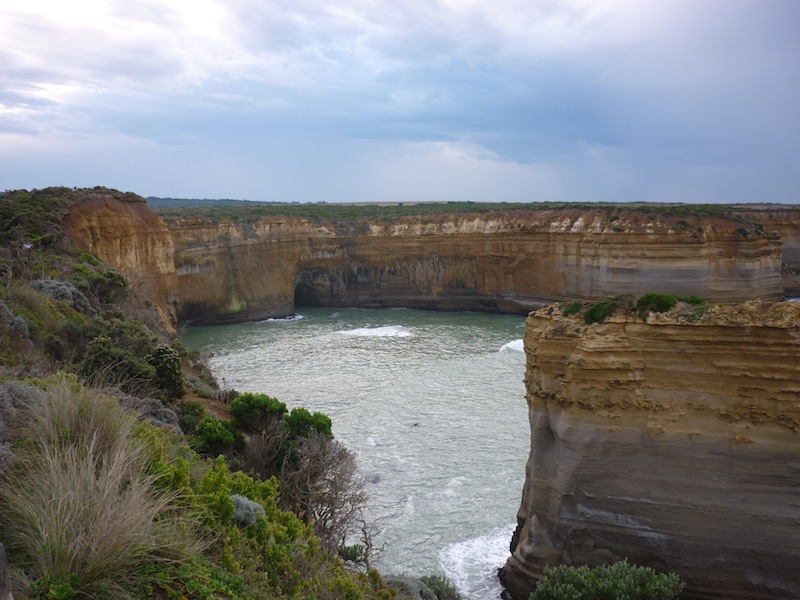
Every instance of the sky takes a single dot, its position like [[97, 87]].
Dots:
[[419, 100]]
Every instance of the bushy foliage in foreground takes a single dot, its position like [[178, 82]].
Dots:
[[97, 505], [441, 586], [80, 512], [620, 581]]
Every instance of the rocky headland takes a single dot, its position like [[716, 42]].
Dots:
[[670, 441]]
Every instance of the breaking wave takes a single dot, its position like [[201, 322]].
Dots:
[[472, 564], [516, 346], [385, 331]]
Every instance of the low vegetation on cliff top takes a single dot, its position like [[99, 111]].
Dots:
[[113, 484], [600, 311]]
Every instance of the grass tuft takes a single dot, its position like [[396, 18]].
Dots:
[[78, 506]]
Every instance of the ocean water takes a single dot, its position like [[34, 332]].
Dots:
[[432, 404]]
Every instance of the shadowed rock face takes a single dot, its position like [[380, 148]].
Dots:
[[672, 443], [201, 271]]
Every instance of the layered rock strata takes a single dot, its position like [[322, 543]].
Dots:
[[199, 270], [127, 235], [672, 442], [505, 263]]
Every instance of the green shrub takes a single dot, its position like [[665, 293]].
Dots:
[[215, 436], [190, 412], [354, 553], [88, 258], [441, 586], [599, 311], [197, 578], [620, 581], [572, 308], [302, 423], [106, 362], [693, 300], [658, 303], [168, 375], [256, 412]]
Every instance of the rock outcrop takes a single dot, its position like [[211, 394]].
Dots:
[[673, 442], [126, 234]]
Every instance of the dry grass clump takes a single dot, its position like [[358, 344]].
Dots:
[[78, 506]]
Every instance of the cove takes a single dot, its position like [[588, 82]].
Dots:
[[433, 405]]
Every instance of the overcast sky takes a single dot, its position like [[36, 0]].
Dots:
[[378, 100]]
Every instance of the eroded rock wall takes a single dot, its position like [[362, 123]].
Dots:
[[199, 270], [127, 235], [673, 443], [509, 262], [786, 224]]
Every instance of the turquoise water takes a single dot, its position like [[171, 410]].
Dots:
[[432, 404]]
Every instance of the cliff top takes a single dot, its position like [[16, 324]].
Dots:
[[653, 309], [243, 211]]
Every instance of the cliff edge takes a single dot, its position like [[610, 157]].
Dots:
[[673, 442]]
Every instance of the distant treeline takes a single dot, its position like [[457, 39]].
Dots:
[[243, 210], [154, 202], [250, 211]]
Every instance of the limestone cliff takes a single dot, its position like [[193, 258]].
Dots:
[[505, 262], [201, 270], [672, 442], [786, 223], [126, 234]]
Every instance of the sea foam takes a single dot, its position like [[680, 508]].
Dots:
[[516, 345], [471, 565], [386, 331], [294, 317]]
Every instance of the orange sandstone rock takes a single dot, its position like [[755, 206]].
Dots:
[[672, 442]]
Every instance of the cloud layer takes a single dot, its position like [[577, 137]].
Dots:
[[359, 100]]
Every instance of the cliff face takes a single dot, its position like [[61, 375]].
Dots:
[[131, 238], [786, 223], [673, 443], [199, 270], [508, 262]]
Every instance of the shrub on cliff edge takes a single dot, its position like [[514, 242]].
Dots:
[[599, 312], [620, 581]]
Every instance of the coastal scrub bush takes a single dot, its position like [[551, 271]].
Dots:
[[256, 412], [620, 581], [572, 308], [441, 586], [302, 423], [106, 362], [321, 484], [190, 413], [215, 436], [168, 376], [658, 303], [599, 311]]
